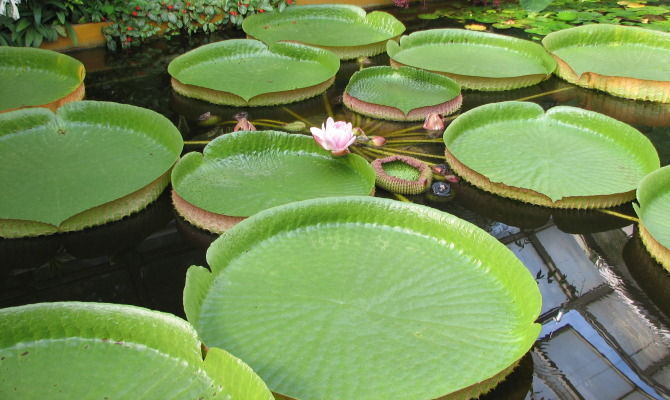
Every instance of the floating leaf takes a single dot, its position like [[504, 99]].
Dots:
[[245, 72], [69, 350], [624, 61], [654, 212], [38, 78], [476, 60], [86, 164], [243, 173], [565, 158], [402, 94], [343, 29], [323, 297]]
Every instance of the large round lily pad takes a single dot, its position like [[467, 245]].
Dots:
[[86, 164], [38, 78], [240, 174], [624, 61], [365, 298], [70, 350], [402, 94], [244, 72], [654, 212], [343, 29], [476, 60], [565, 158]]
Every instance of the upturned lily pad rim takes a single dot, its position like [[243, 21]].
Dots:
[[594, 35], [228, 50], [654, 228], [369, 211], [382, 22], [364, 85], [612, 130], [254, 143], [87, 119], [46, 60], [134, 328], [445, 36]]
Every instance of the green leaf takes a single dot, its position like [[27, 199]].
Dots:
[[349, 286], [249, 68], [534, 5], [566, 152], [653, 197], [94, 152], [55, 351], [228, 178], [343, 28], [404, 89], [22, 25]]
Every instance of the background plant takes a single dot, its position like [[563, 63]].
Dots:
[[40, 21]]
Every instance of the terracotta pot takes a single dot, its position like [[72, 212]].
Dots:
[[88, 35]]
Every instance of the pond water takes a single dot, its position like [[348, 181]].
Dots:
[[606, 304]]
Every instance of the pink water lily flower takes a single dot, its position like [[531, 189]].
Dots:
[[334, 136]]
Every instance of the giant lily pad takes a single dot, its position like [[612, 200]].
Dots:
[[75, 350], [476, 60], [654, 212], [324, 297], [402, 94], [343, 29], [243, 72], [86, 164], [243, 173], [624, 61], [565, 158], [38, 78]]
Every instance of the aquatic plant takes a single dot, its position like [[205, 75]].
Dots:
[[564, 158], [72, 350], [653, 196], [335, 137], [401, 94], [402, 174], [234, 72], [352, 285], [346, 30]]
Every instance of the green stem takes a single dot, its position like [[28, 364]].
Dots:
[[296, 115], [414, 141], [545, 93], [401, 198], [326, 104]]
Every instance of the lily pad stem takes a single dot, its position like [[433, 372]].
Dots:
[[546, 93], [296, 115], [620, 215]]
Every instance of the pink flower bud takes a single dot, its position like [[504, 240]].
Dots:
[[244, 124], [433, 122], [378, 141]]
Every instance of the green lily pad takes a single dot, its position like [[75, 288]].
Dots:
[[476, 60], [70, 350], [343, 29], [243, 173], [38, 78], [324, 297], [402, 94], [86, 164], [243, 72], [566, 157], [654, 212], [624, 61]]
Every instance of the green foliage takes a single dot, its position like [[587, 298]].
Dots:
[[561, 14], [40, 21]]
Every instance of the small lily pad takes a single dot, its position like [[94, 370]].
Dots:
[[324, 297], [86, 164], [402, 174], [38, 78], [624, 61], [653, 197], [402, 94], [240, 174], [70, 350], [243, 72], [343, 29], [565, 158], [476, 60]]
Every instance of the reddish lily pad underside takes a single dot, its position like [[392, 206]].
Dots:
[[624, 61], [653, 197], [344, 29], [564, 158], [242, 173], [38, 78], [401, 94], [243, 72]]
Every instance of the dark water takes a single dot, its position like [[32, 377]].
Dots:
[[606, 304]]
